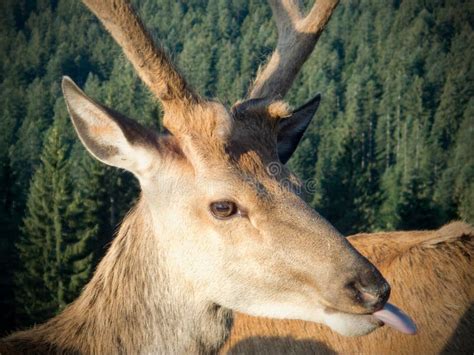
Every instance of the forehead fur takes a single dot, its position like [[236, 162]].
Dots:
[[210, 121], [270, 109], [245, 137]]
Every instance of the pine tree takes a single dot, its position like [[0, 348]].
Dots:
[[455, 190], [227, 70], [10, 114], [93, 189], [25, 151], [54, 247]]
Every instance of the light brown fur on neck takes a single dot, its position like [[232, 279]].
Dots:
[[131, 288]]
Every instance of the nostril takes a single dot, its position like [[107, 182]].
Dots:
[[368, 297], [374, 300], [373, 297]]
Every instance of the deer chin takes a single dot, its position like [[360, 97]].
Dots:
[[352, 325], [361, 324], [346, 324]]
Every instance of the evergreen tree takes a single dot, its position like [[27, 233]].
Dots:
[[455, 190], [54, 247]]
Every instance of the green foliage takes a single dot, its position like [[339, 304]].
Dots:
[[390, 148], [54, 247]]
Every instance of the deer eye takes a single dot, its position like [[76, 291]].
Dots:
[[224, 209]]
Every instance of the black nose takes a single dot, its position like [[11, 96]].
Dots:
[[372, 291]]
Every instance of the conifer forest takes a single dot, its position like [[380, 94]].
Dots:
[[390, 148]]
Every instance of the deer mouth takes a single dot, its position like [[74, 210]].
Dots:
[[389, 315]]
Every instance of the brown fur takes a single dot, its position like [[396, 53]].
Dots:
[[431, 273], [130, 306]]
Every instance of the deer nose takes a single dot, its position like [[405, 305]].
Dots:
[[370, 292]]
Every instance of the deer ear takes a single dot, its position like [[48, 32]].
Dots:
[[109, 136], [291, 129]]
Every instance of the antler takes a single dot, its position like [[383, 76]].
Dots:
[[150, 61], [297, 36]]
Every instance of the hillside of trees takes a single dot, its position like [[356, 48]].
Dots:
[[391, 147]]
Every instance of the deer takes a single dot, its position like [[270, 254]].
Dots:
[[215, 230], [431, 275]]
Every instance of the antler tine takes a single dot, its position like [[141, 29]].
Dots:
[[297, 37], [149, 60]]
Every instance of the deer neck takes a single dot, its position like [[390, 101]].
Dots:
[[134, 304]]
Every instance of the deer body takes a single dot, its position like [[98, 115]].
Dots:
[[221, 225], [431, 275]]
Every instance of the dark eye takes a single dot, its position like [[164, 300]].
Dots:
[[224, 209]]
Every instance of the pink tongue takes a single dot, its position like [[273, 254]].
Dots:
[[395, 318]]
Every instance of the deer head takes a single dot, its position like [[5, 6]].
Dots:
[[225, 209]]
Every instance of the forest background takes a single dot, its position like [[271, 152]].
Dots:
[[391, 147]]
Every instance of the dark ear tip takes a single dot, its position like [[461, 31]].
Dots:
[[312, 104]]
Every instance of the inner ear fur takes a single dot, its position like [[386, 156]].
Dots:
[[108, 135]]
